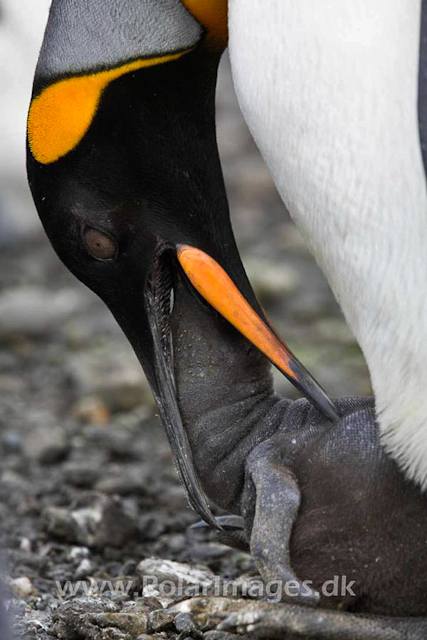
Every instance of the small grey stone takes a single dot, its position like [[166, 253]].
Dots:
[[11, 441], [112, 633], [46, 445], [178, 572], [59, 522], [129, 568], [222, 635], [14, 482], [23, 587], [184, 622], [92, 410], [151, 526], [25, 545], [100, 619], [78, 553], [208, 612], [93, 521], [160, 619], [84, 569], [119, 443], [81, 474], [126, 481], [176, 543]]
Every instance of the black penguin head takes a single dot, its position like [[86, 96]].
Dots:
[[124, 170]]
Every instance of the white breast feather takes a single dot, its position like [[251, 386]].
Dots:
[[329, 91]]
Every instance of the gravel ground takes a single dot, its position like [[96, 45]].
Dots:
[[88, 491]]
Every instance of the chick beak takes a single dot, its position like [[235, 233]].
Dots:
[[213, 283], [216, 287]]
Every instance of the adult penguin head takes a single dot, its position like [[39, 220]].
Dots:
[[124, 170]]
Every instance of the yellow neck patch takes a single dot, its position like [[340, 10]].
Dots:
[[61, 115], [213, 15]]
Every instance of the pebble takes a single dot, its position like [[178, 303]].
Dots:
[[22, 586], [129, 568], [11, 441], [13, 482], [25, 545], [84, 569], [169, 570], [160, 619], [94, 521], [81, 474], [131, 481], [184, 622], [208, 552], [151, 526], [208, 612], [223, 635], [92, 410], [176, 543], [171, 581], [77, 553], [46, 445], [118, 442], [76, 617]]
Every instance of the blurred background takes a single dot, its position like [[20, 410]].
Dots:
[[22, 24], [76, 414]]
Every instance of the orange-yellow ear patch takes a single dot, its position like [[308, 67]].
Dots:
[[61, 115], [212, 14]]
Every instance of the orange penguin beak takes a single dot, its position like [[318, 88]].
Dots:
[[217, 288]]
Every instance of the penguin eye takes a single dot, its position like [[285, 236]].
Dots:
[[99, 245]]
